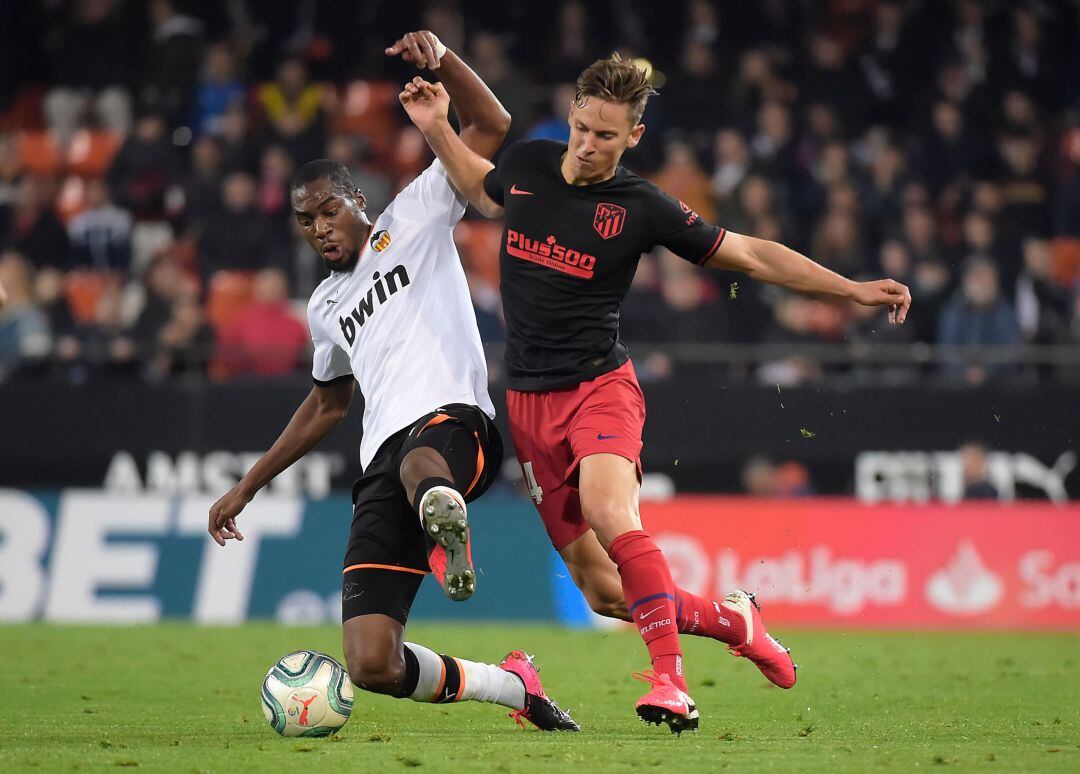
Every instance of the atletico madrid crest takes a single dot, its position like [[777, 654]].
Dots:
[[608, 220]]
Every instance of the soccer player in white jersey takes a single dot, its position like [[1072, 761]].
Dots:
[[395, 317]]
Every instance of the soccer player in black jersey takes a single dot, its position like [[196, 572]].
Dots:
[[576, 225]]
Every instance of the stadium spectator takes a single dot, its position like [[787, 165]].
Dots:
[[509, 83], [572, 45], [837, 243], [1026, 191], [275, 169], [682, 177], [554, 125], [1030, 63], [266, 338], [690, 96], [100, 235], [932, 280], [1043, 307], [1067, 202], [24, 330], [51, 299], [892, 63], [829, 76], [239, 148], [979, 242], [11, 172], [219, 88], [975, 469], [33, 228], [105, 347], [172, 62], [91, 53], [692, 303], [951, 154], [184, 342], [293, 108], [144, 168], [237, 235], [200, 186], [773, 143], [731, 165], [978, 315]]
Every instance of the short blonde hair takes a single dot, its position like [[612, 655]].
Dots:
[[617, 80]]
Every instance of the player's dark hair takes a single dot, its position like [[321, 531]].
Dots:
[[323, 169], [617, 80]]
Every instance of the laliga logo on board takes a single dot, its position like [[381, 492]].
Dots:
[[965, 585]]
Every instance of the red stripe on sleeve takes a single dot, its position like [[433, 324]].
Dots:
[[716, 244]]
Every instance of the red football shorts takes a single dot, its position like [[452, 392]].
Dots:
[[552, 431]]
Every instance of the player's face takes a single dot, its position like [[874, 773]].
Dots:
[[333, 222], [600, 132]]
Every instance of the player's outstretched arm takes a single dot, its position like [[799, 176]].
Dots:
[[774, 263], [322, 411], [484, 121], [428, 105]]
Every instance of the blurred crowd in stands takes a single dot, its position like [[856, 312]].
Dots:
[[146, 147]]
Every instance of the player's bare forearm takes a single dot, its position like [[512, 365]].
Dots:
[[484, 121], [466, 168], [777, 264], [322, 411]]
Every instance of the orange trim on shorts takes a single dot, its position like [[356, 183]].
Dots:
[[442, 681], [461, 680], [438, 419], [383, 567], [479, 464]]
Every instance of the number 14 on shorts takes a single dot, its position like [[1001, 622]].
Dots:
[[535, 492]]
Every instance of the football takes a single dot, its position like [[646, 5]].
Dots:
[[307, 693]]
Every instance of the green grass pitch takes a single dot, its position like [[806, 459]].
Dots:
[[182, 698]]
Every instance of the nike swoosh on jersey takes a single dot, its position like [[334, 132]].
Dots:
[[518, 191], [602, 437]]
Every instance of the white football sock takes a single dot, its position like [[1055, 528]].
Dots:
[[446, 490], [474, 681]]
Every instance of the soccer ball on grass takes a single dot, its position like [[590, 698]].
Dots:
[[307, 693]]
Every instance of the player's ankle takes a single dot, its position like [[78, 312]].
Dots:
[[428, 484]]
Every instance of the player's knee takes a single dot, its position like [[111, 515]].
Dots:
[[609, 520], [374, 671]]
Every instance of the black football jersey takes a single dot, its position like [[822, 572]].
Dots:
[[567, 259]]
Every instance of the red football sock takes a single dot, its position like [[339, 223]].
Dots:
[[650, 595], [705, 618]]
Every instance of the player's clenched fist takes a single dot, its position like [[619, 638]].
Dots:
[[426, 103], [422, 48], [223, 515]]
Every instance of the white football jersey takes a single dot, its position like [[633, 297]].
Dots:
[[402, 322]]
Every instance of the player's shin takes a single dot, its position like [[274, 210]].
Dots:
[[650, 596], [434, 678]]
